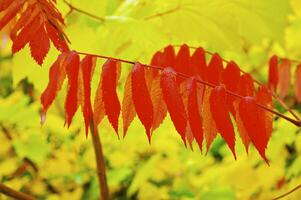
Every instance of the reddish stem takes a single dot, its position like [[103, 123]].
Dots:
[[295, 122]]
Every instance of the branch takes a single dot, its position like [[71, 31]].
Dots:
[[73, 8], [185, 76], [288, 193], [100, 163], [14, 194]]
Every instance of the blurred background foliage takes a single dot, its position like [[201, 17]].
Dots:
[[51, 162]]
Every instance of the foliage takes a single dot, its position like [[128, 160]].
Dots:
[[65, 168]]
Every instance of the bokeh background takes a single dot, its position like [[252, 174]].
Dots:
[[52, 162]]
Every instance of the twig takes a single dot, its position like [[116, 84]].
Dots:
[[100, 163], [73, 8], [288, 193], [14, 194], [185, 76], [163, 13]]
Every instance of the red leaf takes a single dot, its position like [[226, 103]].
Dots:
[[99, 110], [231, 77], [220, 115], [4, 4], [11, 12], [174, 101], [284, 78], [56, 37], [26, 34], [169, 57], [298, 83], [198, 63], [215, 70], [72, 69], [57, 75], [141, 98], [87, 67], [39, 45], [194, 116], [264, 98], [249, 113], [210, 130], [111, 102], [128, 109], [160, 109], [182, 60], [246, 85], [273, 73]]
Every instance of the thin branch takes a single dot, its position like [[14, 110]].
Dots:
[[73, 8], [261, 84], [100, 163], [163, 13], [288, 193], [185, 76], [14, 194]]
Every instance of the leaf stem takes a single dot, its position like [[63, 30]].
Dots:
[[73, 8], [288, 193], [295, 122], [14, 194], [100, 163]]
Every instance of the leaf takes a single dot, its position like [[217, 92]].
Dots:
[[194, 116], [215, 69], [57, 75], [72, 70], [246, 85], [141, 98], [298, 83], [210, 130], [99, 110], [231, 77], [56, 38], [40, 45], [12, 10], [174, 102], [284, 78], [249, 113], [264, 98], [182, 60], [128, 108], [26, 34], [87, 67], [197, 64], [111, 102], [220, 114], [273, 73], [160, 109]]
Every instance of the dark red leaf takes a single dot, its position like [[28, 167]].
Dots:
[[215, 70], [182, 60], [72, 69], [198, 63], [273, 73], [220, 114], [141, 98], [194, 116], [110, 76], [249, 113], [174, 102]]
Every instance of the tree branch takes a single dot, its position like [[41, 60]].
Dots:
[[14, 194], [288, 193], [73, 8], [100, 163]]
